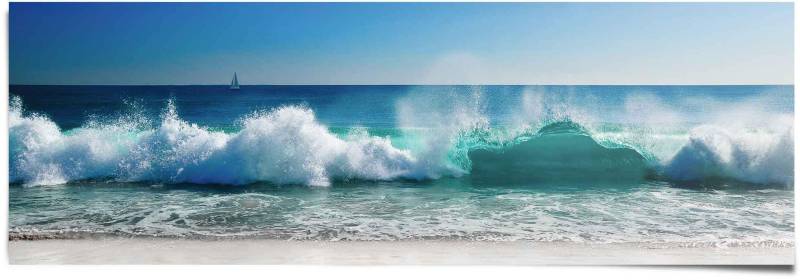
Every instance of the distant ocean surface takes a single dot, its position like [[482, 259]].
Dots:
[[677, 165]]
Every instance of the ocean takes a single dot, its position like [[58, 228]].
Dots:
[[660, 165]]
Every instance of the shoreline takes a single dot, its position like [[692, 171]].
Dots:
[[283, 252]]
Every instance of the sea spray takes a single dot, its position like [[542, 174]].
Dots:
[[41, 154], [127, 170], [288, 145], [285, 146], [448, 118], [172, 152], [713, 152]]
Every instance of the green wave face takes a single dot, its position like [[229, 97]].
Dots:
[[558, 152]]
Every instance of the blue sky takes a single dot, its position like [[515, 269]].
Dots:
[[401, 43]]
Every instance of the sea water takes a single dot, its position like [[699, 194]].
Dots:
[[687, 165]]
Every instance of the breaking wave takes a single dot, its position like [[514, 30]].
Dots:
[[288, 145]]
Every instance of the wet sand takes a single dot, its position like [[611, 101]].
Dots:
[[179, 251]]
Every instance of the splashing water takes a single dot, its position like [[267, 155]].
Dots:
[[435, 137], [592, 164]]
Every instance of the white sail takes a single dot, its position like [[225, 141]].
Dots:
[[235, 82]]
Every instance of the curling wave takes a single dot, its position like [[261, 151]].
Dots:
[[561, 151], [287, 145]]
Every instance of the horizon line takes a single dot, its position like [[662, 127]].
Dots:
[[547, 84]]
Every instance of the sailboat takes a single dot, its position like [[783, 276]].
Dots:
[[234, 82]]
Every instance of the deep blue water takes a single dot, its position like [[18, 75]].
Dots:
[[372, 106]]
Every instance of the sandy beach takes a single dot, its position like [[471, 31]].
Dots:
[[176, 251]]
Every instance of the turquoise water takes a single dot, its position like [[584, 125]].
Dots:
[[692, 165]]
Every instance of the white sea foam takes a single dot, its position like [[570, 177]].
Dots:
[[42, 155], [739, 139], [758, 157], [285, 146]]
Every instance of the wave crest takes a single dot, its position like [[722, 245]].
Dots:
[[561, 151], [285, 146], [714, 153], [288, 145]]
